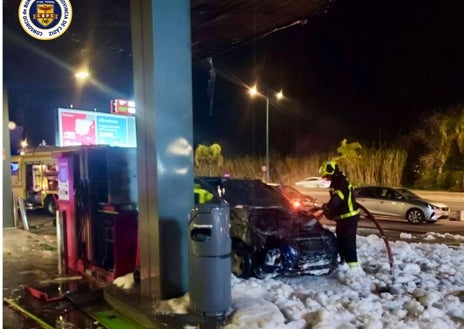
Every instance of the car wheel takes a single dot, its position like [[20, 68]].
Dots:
[[259, 272], [241, 259], [50, 205], [415, 216]]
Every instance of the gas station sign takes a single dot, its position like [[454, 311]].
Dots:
[[77, 127]]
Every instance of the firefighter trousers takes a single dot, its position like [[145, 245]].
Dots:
[[346, 230]]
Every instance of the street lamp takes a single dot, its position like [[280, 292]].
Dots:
[[279, 95], [82, 74], [82, 77], [24, 144]]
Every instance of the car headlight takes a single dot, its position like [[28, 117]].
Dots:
[[431, 206], [296, 203]]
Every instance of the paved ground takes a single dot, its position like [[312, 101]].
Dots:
[[30, 260], [30, 270]]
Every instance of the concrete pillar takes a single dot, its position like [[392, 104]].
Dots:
[[161, 49], [7, 189]]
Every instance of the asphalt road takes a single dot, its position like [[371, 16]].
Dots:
[[443, 231]]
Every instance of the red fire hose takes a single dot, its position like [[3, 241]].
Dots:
[[382, 235], [319, 212]]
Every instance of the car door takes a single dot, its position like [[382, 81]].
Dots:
[[388, 205], [369, 198], [398, 205]]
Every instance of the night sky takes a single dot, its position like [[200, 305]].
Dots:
[[366, 70]]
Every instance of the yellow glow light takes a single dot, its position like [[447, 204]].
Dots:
[[12, 125], [84, 74], [253, 91]]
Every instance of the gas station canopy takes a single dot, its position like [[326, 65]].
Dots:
[[218, 26]]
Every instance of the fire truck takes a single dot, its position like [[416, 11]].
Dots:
[[34, 177]]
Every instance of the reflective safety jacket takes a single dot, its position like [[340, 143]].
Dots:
[[342, 203], [201, 195]]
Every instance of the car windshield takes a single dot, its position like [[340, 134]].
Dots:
[[252, 193], [407, 194], [290, 191], [244, 192]]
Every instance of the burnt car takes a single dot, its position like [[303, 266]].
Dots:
[[297, 199], [269, 236]]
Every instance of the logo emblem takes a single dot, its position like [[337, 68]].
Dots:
[[45, 14], [45, 19]]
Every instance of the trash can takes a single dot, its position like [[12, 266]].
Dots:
[[209, 259]]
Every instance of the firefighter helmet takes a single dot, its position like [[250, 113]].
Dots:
[[328, 168]]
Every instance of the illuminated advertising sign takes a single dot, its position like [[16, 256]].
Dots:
[[122, 106], [76, 127]]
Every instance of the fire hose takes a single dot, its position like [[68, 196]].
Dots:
[[319, 212]]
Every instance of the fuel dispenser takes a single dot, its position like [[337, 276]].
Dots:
[[97, 195]]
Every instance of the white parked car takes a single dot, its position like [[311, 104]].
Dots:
[[313, 182]]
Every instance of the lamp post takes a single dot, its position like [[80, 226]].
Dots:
[[254, 91]]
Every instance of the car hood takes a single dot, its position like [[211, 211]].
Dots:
[[436, 203], [275, 222], [421, 201]]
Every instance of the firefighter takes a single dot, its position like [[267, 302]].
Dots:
[[343, 209], [201, 195]]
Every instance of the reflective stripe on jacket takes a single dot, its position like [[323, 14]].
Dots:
[[346, 207]]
